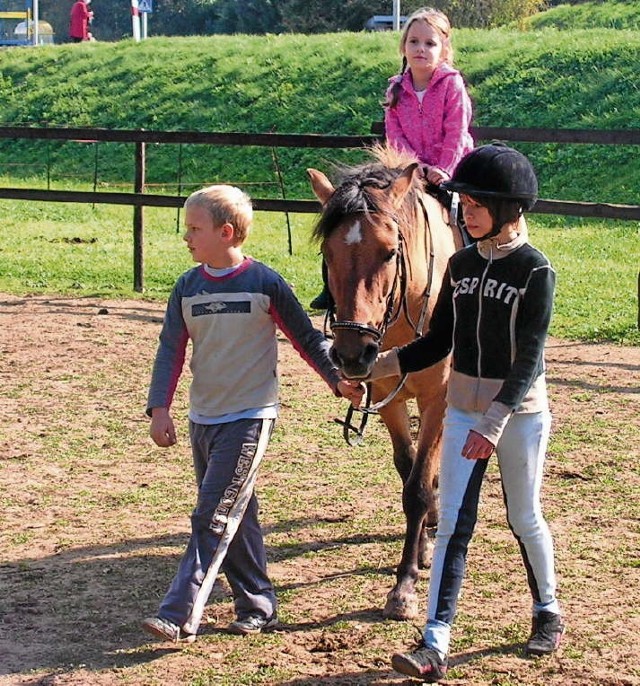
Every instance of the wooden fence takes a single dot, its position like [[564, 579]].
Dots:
[[139, 199]]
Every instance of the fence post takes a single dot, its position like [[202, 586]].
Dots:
[[138, 221], [96, 145]]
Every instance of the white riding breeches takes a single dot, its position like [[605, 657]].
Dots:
[[521, 454]]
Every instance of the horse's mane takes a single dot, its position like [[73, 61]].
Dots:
[[354, 194]]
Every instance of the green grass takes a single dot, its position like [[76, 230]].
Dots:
[[574, 67], [623, 14], [330, 84], [80, 251]]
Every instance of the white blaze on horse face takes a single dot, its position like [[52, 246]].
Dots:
[[354, 234]]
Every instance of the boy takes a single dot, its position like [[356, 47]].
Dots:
[[229, 307]]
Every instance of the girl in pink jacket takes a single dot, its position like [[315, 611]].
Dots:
[[428, 110]]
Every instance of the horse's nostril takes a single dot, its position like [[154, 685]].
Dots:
[[370, 353], [335, 357], [357, 362]]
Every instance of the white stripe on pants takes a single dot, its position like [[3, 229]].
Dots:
[[226, 460], [521, 454]]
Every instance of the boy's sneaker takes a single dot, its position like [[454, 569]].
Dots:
[[423, 663], [166, 630], [546, 631], [253, 624]]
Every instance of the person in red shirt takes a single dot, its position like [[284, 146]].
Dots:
[[81, 17]]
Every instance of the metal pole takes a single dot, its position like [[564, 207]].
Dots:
[[36, 22], [179, 186], [396, 15], [274, 155], [135, 20], [96, 145], [49, 167]]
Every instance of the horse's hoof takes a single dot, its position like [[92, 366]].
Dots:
[[401, 608]]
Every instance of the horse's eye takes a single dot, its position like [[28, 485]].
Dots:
[[390, 255]]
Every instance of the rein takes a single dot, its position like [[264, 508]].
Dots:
[[399, 281]]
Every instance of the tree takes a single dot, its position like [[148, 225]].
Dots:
[[203, 17], [113, 17], [325, 16], [248, 16]]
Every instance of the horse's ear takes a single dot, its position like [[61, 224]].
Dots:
[[402, 184], [322, 187]]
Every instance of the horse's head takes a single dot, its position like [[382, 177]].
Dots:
[[361, 240]]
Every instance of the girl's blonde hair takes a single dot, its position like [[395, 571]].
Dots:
[[225, 205], [439, 22]]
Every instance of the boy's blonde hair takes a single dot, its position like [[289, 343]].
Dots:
[[226, 205], [438, 21]]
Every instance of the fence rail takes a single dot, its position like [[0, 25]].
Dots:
[[559, 207], [138, 199], [280, 140], [529, 135]]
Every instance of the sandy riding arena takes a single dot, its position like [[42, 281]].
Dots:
[[93, 518]]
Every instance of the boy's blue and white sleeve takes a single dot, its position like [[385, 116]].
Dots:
[[170, 354]]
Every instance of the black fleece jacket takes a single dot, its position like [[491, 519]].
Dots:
[[494, 314]]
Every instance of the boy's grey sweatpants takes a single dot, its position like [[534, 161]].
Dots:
[[225, 533]]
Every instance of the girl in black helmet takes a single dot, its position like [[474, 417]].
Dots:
[[493, 313]]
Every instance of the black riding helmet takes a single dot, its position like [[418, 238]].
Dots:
[[496, 171], [501, 176]]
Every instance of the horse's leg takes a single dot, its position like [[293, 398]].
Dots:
[[427, 466], [402, 601], [419, 493]]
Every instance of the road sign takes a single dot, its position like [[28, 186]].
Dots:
[[145, 6]]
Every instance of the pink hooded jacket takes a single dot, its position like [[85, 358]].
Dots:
[[436, 131]]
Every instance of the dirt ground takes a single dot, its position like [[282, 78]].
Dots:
[[92, 521]]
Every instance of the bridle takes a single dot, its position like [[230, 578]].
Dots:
[[397, 293], [399, 282]]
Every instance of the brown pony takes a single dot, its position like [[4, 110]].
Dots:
[[386, 243]]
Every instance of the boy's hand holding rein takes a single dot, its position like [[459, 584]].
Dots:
[[351, 390]]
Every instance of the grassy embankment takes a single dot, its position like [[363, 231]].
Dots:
[[576, 78]]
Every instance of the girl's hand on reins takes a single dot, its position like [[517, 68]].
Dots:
[[386, 364], [436, 176]]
